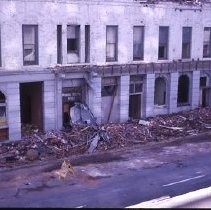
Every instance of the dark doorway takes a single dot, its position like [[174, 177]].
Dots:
[[204, 97], [31, 102], [135, 106]]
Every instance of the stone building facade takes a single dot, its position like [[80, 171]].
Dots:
[[125, 59]]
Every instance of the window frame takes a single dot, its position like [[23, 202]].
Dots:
[[209, 55], [36, 47], [189, 43], [141, 56], [165, 45], [156, 100], [115, 58], [77, 31]]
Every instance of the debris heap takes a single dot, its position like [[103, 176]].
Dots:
[[37, 145]]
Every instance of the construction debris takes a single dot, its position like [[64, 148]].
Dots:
[[66, 168], [89, 138]]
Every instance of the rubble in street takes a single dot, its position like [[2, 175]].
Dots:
[[89, 138]]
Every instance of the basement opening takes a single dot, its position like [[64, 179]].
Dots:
[[31, 104]]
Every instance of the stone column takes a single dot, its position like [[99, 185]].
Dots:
[[13, 111], [95, 97], [195, 94], [49, 112], [149, 94], [173, 88], [58, 102], [124, 98]]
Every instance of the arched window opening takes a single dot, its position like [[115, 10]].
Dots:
[[183, 89], [160, 91]]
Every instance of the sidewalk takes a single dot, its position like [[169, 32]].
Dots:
[[196, 199]]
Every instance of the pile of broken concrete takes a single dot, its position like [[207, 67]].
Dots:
[[90, 138]]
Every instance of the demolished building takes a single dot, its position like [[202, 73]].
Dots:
[[124, 59]]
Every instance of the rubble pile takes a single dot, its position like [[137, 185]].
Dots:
[[86, 138]]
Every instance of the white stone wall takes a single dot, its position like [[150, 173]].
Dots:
[[49, 111], [173, 92], [149, 94], [13, 111], [98, 14], [124, 97], [195, 89], [94, 98]]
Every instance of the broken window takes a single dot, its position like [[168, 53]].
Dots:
[[163, 42], [87, 43], [59, 44], [30, 44], [136, 84], [111, 43], [186, 42], [160, 91], [183, 89], [207, 43], [109, 86], [73, 32], [138, 42]]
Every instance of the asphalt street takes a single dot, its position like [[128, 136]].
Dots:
[[120, 179]]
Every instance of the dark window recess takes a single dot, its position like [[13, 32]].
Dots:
[[207, 43], [30, 44], [203, 81], [87, 43], [183, 89], [138, 42], [163, 42], [2, 98], [186, 42], [59, 44], [111, 43], [108, 90], [73, 39]]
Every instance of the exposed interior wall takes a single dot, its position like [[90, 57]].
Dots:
[[74, 90]]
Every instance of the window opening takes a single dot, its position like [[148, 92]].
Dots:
[[138, 42], [207, 43], [160, 91], [183, 89], [163, 42], [111, 43], [186, 42], [30, 44]]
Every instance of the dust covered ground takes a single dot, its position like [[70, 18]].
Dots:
[[39, 146]]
